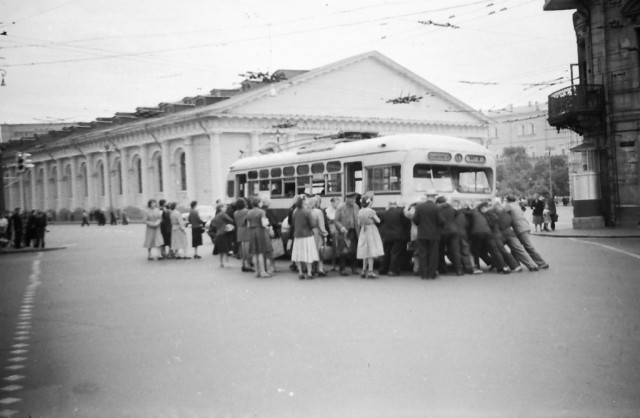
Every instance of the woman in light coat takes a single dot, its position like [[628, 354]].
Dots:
[[152, 236], [178, 233]]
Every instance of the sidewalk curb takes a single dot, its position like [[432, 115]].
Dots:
[[30, 250], [586, 236]]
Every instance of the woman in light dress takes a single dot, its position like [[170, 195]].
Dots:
[[152, 236], [304, 245], [369, 242], [178, 233]]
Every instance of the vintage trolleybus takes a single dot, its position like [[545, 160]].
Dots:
[[398, 167]]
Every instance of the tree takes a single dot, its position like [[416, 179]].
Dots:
[[521, 175]]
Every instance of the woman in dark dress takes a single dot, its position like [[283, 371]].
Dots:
[[259, 240], [223, 240], [197, 228]]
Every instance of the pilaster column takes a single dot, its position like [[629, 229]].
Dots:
[[217, 181], [255, 143], [46, 194], [107, 179], [21, 190], [168, 188], [144, 167], [189, 161], [124, 165], [60, 203], [34, 200], [73, 199], [90, 182]]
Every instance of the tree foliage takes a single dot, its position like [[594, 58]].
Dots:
[[522, 175]]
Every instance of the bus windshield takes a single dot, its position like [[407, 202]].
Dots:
[[446, 179]]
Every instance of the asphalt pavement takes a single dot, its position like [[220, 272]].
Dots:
[[96, 330]]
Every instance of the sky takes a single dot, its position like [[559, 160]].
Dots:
[[76, 60]]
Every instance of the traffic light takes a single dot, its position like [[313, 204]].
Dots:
[[23, 162], [20, 162]]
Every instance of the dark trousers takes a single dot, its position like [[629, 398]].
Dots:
[[509, 259], [85, 221], [348, 259], [17, 239], [450, 244], [428, 254], [391, 261], [483, 245]]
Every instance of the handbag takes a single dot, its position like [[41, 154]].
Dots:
[[278, 247], [325, 252]]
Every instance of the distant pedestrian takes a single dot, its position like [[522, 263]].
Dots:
[[152, 237], [304, 246], [369, 242], [333, 232], [197, 228], [538, 211], [178, 233], [125, 217], [114, 218], [15, 223], [165, 229], [320, 232], [553, 212], [39, 229], [429, 221], [223, 240], [346, 221], [259, 240], [85, 218], [242, 234]]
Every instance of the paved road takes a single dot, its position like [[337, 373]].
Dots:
[[108, 334]]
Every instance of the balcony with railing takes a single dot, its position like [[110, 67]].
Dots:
[[579, 107]]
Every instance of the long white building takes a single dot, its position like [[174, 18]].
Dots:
[[182, 151]]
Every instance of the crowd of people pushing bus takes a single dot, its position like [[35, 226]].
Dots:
[[429, 237]]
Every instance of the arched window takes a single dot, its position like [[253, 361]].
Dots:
[[54, 180], [139, 174], [183, 171], [159, 173], [100, 173], [85, 180]]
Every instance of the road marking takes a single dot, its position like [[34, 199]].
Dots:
[[22, 333], [618, 250], [14, 377], [11, 388]]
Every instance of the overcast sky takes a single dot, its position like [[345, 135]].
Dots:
[[82, 59]]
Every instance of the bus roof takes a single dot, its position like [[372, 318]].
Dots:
[[327, 150]]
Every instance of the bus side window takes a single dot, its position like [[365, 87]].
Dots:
[[253, 188], [304, 184], [334, 183], [276, 187], [290, 187], [231, 188], [353, 177]]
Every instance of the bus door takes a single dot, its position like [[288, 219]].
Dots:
[[241, 185], [353, 177]]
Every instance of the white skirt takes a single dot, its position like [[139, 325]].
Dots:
[[304, 250]]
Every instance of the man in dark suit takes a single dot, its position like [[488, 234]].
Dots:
[[450, 239], [16, 225], [429, 220], [396, 228]]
